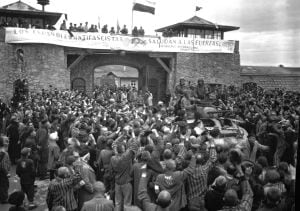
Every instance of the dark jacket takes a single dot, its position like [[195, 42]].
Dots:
[[143, 197], [214, 199], [26, 171]]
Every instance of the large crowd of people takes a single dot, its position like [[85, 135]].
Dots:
[[119, 150]]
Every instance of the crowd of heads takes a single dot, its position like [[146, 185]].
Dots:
[[105, 29], [160, 135]]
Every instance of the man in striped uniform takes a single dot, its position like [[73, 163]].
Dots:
[[61, 190]]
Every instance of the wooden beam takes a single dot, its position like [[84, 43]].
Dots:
[[166, 68], [161, 55], [79, 59]]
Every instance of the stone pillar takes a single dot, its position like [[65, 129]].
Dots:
[[171, 77]]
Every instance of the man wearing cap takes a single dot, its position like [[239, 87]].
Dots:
[[26, 171]]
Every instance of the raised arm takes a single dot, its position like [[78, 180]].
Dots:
[[247, 198], [142, 191]]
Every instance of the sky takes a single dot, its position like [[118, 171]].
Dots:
[[269, 31]]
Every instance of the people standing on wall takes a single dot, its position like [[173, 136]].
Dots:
[[135, 32], [92, 28], [124, 30], [63, 26], [86, 27], [141, 32], [104, 29], [71, 27], [112, 30]]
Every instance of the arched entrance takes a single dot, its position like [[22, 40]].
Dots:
[[78, 84], [151, 74]]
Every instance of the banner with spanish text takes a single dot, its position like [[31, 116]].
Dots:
[[118, 42]]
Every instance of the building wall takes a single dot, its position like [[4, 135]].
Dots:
[[127, 81], [288, 82], [42, 65], [217, 68]]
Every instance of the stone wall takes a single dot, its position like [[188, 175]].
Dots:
[[287, 82], [42, 65], [221, 68]]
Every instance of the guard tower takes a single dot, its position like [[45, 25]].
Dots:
[[197, 27], [20, 14]]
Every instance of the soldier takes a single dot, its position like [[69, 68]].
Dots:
[[180, 88], [199, 91]]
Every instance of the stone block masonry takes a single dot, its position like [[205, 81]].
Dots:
[[42, 66], [217, 68]]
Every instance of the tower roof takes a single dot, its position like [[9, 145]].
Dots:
[[20, 6], [23, 10], [196, 22]]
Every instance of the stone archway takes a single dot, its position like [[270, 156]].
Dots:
[[149, 70], [78, 84]]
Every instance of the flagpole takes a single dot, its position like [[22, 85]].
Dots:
[[131, 19]]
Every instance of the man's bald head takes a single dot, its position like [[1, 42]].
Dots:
[[230, 197], [99, 187], [63, 172], [164, 199], [170, 165]]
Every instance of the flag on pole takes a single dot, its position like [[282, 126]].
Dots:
[[98, 22], [198, 8], [144, 6], [118, 26]]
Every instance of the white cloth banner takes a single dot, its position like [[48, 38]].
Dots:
[[118, 42]]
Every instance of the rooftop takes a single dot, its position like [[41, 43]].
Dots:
[[198, 23], [269, 70], [23, 10], [119, 71]]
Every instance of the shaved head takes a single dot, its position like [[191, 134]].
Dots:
[[231, 197], [99, 187], [164, 199], [63, 172]]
